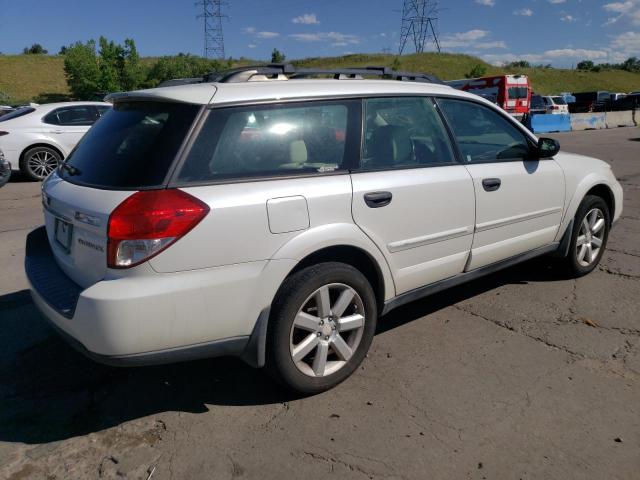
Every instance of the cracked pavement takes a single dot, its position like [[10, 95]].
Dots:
[[523, 374]]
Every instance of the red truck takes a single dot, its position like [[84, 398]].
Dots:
[[511, 92]]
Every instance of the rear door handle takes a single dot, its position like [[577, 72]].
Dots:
[[377, 199], [491, 184]]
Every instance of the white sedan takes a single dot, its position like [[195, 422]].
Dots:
[[37, 138]]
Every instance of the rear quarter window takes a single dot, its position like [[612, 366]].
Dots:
[[132, 147], [272, 140]]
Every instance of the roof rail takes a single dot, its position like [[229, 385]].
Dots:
[[284, 71]]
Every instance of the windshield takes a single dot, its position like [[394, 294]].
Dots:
[[518, 92], [17, 113], [558, 100], [131, 146]]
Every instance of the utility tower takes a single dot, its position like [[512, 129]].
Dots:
[[213, 38], [418, 18]]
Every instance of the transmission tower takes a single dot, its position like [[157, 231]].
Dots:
[[418, 17], [213, 38]]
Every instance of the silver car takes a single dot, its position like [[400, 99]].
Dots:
[[276, 216]]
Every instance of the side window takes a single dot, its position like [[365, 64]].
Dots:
[[272, 140], [404, 132], [482, 134], [72, 116], [102, 109]]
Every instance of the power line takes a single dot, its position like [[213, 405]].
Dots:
[[418, 18], [213, 36]]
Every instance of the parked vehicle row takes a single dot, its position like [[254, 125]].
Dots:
[[548, 104], [37, 138], [276, 220]]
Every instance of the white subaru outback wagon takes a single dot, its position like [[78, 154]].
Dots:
[[274, 215]]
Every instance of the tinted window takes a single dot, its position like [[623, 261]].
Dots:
[[245, 142], [17, 113], [559, 100], [133, 146], [482, 134], [404, 132], [518, 92], [72, 116], [537, 101], [102, 109]]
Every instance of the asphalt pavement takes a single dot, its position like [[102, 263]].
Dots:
[[520, 375]]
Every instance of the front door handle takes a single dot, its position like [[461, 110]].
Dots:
[[491, 184], [377, 199]]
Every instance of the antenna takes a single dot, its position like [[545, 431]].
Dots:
[[213, 38], [418, 17]]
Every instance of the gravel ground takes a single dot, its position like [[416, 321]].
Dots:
[[518, 375]]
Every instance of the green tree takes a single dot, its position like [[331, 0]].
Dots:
[[82, 70], [519, 64], [396, 64], [113, 68], [587, 65], [478, 70], [631, 64], [35, 49], [277, 56], [182, 66]]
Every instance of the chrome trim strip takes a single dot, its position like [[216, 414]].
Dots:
[[428, 239], [481, 227]]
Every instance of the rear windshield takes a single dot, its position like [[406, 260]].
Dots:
[[131, 146], [558, 100], [518, 92], [17, 113]]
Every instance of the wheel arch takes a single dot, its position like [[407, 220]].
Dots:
[[350, 255], [42, 144], [604, 191]]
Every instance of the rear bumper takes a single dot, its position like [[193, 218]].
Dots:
[[154, 319]]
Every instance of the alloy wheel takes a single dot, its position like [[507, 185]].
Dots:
[[327, 330], [42, 163], [590, 237]]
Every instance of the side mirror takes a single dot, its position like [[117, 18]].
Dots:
[[547, 147]]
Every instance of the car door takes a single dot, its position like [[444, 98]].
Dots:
[[410, 196], [519, 199], [67, 125]]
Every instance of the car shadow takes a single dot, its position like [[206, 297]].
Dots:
[[634, 139], [18, 177], [49, 392]]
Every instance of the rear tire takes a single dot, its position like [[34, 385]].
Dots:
[[322, 324], [589, 236], [38, 162]]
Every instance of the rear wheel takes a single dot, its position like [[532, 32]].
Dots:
[[322, 324], [38, 162], [589, 237]]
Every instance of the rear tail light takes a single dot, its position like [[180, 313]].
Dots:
[[148, 222]]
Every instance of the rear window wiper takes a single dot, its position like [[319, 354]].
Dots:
[[70, 169]]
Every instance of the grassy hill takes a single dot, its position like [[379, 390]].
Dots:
[[41, 77]]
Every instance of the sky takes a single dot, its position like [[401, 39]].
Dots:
[[560, 32]]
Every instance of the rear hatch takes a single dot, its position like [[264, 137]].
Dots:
[[131, 148]]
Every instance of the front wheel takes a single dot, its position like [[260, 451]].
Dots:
[[38, 162], [589, 237], [322, 324]]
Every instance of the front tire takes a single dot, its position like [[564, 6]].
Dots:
[[38, 162], [322, 324], [589, 236]]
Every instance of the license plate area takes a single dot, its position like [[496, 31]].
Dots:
[[63, 232]]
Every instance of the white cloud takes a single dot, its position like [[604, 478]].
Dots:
[[486, 3], [336, 39], [628, 10], [568, 18], [556, 1], [618, 7], [581, 53], [306, 19], [525, 12], [252, 45], [259, 34], [267, 34], [473, 38]]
